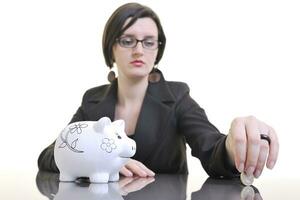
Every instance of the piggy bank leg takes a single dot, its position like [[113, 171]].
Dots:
[[99, 178], [114, 177], [66, 177]]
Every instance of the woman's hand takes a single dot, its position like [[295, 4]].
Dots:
[[134, 167], [247, 150]]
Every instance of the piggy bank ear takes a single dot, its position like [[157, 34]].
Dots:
[[120, 124], [101, 124]]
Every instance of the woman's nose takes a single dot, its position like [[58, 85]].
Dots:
[[138, 49]]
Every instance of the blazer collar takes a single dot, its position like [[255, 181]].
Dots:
[[160, 90]]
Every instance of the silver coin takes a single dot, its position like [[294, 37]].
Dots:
[[247, 193], [246, 179]]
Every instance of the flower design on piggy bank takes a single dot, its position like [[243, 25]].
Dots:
[[77, 128], [72, 145], [108, 145]]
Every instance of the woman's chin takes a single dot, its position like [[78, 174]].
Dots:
[[139, 75]]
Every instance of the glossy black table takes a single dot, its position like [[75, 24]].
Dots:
[[44, 185], [161, 187]]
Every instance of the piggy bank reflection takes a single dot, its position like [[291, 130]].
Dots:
[[79, 191], [49, 185]]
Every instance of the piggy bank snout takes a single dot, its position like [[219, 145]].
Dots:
[[129, 149], [133, 147]]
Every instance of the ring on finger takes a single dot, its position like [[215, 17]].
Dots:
[[265, 137]]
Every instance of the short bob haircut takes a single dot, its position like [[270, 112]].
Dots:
[[114, 29]]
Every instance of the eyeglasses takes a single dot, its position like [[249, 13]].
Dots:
[[131, 42]]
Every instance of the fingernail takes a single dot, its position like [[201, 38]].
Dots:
[[152, 173], [129, 174], [271, 165], [250, 171], [257, 173], [241, 167]]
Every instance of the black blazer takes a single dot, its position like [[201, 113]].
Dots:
[[168, 119]]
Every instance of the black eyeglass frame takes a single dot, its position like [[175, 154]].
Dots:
[[137, 41]]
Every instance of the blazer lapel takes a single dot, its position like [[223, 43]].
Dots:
[[104, 103], [155, 114]]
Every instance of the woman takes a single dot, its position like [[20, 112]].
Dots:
[[160, 115]]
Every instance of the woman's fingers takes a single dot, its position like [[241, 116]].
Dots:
[[246, 148], [137, 168], [274, 149], [253, 144], [126, 172]]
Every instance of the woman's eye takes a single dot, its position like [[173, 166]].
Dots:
[[127, 41], [149, 43]]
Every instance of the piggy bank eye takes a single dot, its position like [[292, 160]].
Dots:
[[119, 137]]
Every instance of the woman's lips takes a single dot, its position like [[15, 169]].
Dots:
[[137, 63]]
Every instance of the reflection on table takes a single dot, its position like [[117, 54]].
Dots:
[[161, 187]]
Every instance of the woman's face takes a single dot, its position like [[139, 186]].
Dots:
[[136, 62]]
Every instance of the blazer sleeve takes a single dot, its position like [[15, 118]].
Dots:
[[46, 160], [205, 140]]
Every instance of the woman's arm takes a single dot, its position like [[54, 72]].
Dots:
[[205, 140]]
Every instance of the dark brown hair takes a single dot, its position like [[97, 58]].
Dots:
[[114, 28]]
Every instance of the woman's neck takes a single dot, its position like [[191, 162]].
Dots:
[[131, 91]]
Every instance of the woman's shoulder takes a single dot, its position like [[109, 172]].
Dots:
[[178, 86], [97, 89], [97, 92], [175, 89]]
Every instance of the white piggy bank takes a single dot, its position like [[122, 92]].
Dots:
[[91, 149]]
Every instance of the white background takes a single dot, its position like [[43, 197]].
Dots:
[[238, 57]]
